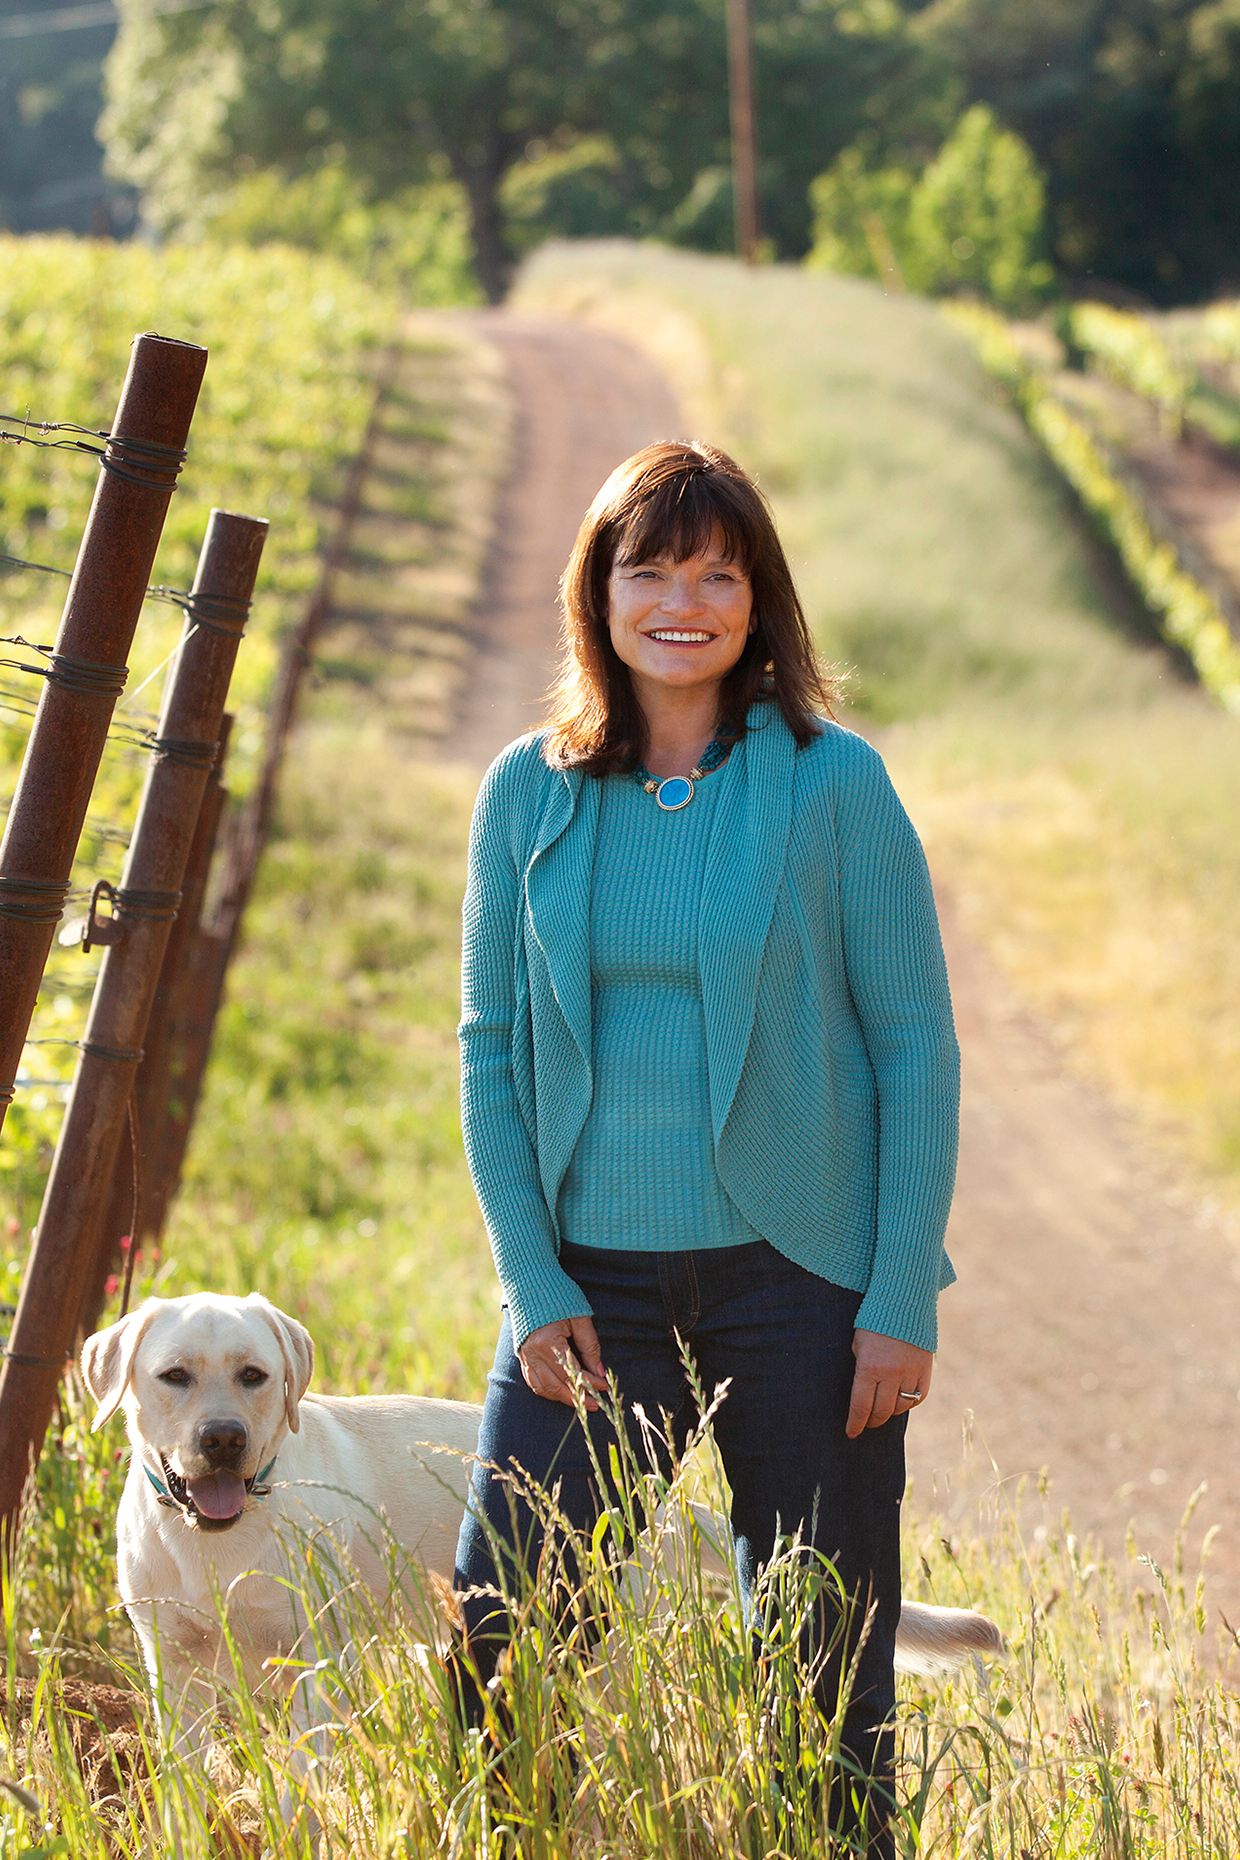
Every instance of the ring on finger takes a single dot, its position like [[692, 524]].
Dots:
[[913, 1395]]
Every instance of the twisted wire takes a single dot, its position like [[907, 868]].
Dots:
[[127, 458], [153, 906], [32, 901], [190, 755]]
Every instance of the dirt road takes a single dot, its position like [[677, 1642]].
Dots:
[[583, 404], [1092, 1331]]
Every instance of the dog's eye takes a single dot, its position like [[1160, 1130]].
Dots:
[[175, 1377], [252, 1377]]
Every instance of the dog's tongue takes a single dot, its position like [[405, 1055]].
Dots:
[[219, 1495]]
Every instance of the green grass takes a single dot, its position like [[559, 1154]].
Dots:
[[1076, 790], [1039, 734], [1099, 1734]]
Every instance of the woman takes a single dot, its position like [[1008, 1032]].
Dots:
[[710, 1081]]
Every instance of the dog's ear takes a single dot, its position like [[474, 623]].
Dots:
[[108, 1357], [298, 1347]]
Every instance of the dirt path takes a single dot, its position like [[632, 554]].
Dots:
[[1092, 1331], [583, 403]]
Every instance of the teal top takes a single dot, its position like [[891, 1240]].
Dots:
[[832, 1065], [643, 1173]]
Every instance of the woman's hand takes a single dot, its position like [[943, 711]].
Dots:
[[890, 1378], [556, 1355]]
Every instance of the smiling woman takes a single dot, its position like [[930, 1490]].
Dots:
[[678, 604], [709, 1085]]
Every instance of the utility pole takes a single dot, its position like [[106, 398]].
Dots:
[[740, 97]]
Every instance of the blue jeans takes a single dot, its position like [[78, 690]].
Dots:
[[784, 1338]]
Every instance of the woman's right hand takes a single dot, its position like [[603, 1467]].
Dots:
[[556, 1355]]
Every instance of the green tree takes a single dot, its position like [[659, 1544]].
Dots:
[[972, 220], [975, 216], [504, 96], [1132, 110], [861, 217]]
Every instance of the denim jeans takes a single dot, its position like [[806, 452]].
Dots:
[[784, 1339]]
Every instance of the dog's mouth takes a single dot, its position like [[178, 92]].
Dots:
[[213, 1501]]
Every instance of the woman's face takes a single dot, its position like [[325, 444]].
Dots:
[[680, 624]]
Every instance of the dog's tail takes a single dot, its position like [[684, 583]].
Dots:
[[934, 1640]]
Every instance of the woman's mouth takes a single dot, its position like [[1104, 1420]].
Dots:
[[673, 636]]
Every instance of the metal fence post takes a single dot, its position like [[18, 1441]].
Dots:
[[245, 833], [87, 670], [145, 904], [156, 1086]]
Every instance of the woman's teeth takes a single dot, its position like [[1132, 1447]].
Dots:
[[681, 639]]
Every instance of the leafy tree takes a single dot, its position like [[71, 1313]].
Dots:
[[1132, 110], [417, 242], [975, 216], [972, 220], [861, 218], [572, 115]]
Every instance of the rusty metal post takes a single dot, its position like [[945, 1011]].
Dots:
[[136, 1215], [246, 833], [87, 670], [145, 904]]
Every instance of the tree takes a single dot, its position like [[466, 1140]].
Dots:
[[973, 219], [504, 95], [1132, 110], [394, 88], [861, 219], [975, 216]]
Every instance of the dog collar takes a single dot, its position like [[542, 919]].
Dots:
[[255, 1487]]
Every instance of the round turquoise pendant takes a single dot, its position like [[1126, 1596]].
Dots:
[[676, 791]]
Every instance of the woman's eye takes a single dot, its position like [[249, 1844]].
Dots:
[[252, 1378]]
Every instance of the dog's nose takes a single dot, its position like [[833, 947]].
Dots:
[[222, 1442]]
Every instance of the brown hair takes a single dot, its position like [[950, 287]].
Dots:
[[672, 499]]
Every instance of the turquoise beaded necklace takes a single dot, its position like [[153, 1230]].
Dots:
[[676, 791]]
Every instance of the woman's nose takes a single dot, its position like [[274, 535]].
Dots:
[[682, 596]]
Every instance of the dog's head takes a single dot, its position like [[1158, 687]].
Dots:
[[209, 1386]]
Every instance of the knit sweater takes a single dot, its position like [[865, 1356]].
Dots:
[[643, 1173], [833, 1070]]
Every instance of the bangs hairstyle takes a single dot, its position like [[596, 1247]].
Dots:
[[675, 499]]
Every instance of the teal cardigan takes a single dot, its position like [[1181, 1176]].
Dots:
[[832, 1060]]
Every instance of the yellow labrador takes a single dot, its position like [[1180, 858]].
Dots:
[[234, 1467], [234, 1463]]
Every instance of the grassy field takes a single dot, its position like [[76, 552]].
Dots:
[[1073, 786]]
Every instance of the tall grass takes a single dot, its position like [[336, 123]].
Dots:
[[683, 1731]]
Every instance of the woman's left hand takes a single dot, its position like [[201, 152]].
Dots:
[[891, 1377]]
